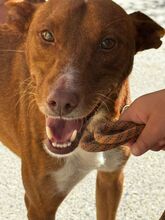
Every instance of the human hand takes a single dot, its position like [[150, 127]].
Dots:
[[149, 110]]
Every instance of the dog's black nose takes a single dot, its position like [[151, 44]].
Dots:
[[63, 102]]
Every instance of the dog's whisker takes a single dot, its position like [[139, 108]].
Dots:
[[103, 103], [26, 91], [106, 97], [31, 105]]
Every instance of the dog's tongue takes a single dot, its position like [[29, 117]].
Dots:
[[62, 130]]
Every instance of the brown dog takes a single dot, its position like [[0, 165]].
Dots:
[[64, 66]]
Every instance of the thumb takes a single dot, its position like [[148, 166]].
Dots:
[[140, 146], [147, 139], [130, 114]]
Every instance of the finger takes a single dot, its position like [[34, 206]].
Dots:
[[139, 148], [147, 140], [158, 148], [130, 114]]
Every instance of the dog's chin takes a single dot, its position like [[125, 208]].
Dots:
[[64, 134]]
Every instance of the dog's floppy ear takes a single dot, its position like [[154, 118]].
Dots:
[[20, 14], [148, 32]]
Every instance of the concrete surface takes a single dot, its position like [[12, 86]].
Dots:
[[144, 191]]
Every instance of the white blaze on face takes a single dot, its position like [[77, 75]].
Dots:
[[69, 72]]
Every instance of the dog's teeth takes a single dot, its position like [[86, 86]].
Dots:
[[54, 144], [73, 135], [61, 145], [49, 133]]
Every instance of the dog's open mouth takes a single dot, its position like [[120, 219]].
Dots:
[[63, 136]]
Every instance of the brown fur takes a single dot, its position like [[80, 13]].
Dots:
[[29, 74]]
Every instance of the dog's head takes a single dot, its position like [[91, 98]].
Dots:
[[79, 53]]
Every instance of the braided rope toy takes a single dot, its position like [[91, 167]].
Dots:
[[110, 135]]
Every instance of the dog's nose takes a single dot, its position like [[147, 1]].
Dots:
[[63, 102]]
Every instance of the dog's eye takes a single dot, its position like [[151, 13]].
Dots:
[[107, 44], [47, 36]]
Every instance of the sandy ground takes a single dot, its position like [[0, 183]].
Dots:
[[144, 188]]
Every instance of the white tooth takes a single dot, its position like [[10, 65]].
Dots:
[[74, 134], [54, 144], [49, 132], [65, 145], [59, 145]]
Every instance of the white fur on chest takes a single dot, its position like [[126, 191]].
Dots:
[[80, 163]]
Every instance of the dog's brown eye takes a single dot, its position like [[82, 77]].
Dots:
[[107, 44], [47, 36]]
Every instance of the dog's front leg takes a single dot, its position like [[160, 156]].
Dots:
[[42, 212], [108, 193], [42, 198]]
